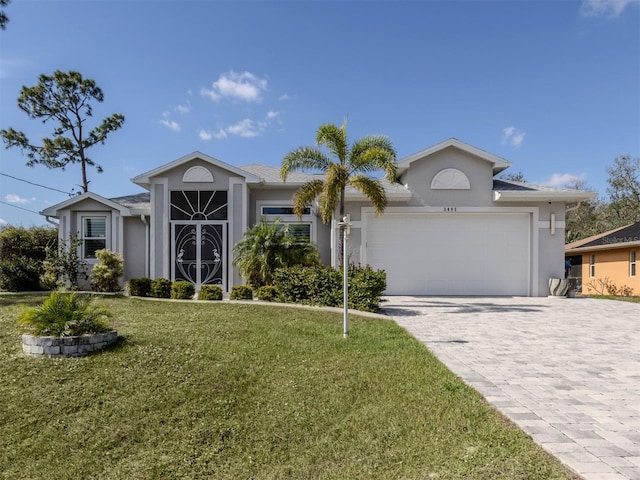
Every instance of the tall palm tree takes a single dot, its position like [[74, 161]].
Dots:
[[368, 154]]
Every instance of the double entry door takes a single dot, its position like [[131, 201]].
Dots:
[[198, 253]]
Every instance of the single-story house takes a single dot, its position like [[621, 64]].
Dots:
[[611, 256], [451, 227]]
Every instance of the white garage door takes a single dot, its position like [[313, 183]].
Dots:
[[451, 254]]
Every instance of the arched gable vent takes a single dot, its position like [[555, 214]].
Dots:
[[450, 179], [197, 174]]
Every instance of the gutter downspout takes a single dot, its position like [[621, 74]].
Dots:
[[46, 217]]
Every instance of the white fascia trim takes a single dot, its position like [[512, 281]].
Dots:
[[144, 179], [499, 163], [506, 196]]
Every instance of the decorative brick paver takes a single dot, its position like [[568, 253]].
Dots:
[[567, 371]]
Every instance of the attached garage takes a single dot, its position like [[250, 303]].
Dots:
[[451, 253]]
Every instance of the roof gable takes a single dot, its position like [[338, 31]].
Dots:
[[498, 164], [52, 211], [628, 235], [144, 179]]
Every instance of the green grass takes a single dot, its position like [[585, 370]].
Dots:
[[236, 391], [615, 297]]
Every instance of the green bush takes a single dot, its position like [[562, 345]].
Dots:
[[22, 252], [365, 288], [20, 242], [182, 290], [322, 285], [20, 274], [160, 288], [318, 285], [241, 292], [105, 273], [65, 314], [140, 287], [268, 293], [210, 292]]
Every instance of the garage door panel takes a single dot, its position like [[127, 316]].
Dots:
[[457, 254]]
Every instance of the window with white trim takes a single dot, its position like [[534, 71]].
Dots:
[[592, 265], [301, 228], [632, 263], [94, 235]]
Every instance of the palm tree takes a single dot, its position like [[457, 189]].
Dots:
[[268, 246], [368, 154]]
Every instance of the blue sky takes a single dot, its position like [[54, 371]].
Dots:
[[551, 86]]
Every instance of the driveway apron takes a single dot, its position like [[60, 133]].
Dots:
[[566, 371]]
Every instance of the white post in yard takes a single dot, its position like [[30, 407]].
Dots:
[[346, 229]]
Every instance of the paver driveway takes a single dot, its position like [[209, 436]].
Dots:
[[567, 371]]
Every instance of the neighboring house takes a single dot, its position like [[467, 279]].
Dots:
[[612, 257], [450, 228]]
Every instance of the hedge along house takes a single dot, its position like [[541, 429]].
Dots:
[[611, 257], [451, 227]]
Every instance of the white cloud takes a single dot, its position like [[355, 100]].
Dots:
[[271, 114], [184, 108], [170, 124], [562, 179], [284, 96], [239, 86], [612, 8], [3, 221], [245, 128], [12, 198], [513, 137]]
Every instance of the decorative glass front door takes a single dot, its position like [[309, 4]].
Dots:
[[198, 254]]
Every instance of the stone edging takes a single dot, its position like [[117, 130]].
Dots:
[[59, 347]]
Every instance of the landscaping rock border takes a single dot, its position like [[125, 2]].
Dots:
[[60, 347]]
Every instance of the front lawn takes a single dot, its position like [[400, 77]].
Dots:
[[616, 297], [238, 391]]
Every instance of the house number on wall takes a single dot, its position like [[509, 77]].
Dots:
[[450, 209]]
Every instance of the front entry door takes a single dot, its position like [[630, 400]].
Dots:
[[198, 253]]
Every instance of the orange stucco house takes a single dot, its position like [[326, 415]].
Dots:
[[613, 255]]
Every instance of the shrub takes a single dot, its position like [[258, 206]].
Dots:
[[20, 242], [65, 314], [182, 290], [161, 288], [22, 252], [105, 273], [323, 285], [210, 292], [268, 246], [63, 265], [318, 285], [241, 292], [140, 287], [365, 287], [20, 274], [268, 293], [626, 291]]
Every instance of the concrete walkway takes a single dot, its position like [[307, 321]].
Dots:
[[567, 371]]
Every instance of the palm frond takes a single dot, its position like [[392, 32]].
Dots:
[[304, 159], [334, 139], [373, 189], [374, 153], [305, 195]]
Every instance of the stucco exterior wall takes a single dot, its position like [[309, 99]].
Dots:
[[613, 264], [418, 180], [136, 244]]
